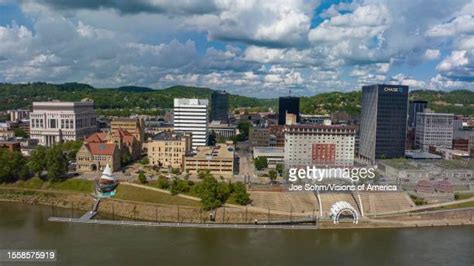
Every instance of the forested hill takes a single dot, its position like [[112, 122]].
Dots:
[[127, 98], [457, 102], [132, 99]]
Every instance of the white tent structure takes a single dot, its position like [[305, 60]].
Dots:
[[107, 173], [107, 184], [343, 207]]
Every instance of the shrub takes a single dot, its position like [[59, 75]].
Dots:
[[142, 178], [163, 182], [179, 186]]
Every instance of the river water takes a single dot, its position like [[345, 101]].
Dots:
[[26, 227]]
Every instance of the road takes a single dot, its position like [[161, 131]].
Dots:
[[247, 168]]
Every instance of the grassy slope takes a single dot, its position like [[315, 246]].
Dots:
[[124, 192], [138, 194]]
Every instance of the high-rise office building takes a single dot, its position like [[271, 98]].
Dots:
[[434, 129], [220, 106], [290, 105], [55, 122], [383, 122], [190, 115], [414, 108]]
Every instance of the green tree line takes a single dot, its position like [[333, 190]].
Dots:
[[47, 163]]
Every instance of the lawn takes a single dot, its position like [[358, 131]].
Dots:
[[458, 206], [126, 192], [400, 164], [461, 196], [77, 185], [456, 164]]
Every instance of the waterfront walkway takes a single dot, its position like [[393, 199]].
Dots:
[[183, 225]]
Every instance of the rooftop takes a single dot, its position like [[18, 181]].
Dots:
[[101, 148], [166, 135], [416, 154], [220, 151], [268, 149], [184, 101]]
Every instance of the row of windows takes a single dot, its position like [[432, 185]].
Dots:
[[101, 157], [223, 169], [168, 149], [167, 155]]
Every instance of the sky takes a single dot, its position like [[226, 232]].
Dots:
[[256, 48]]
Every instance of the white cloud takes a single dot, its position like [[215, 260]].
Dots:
[[364, 23], [460, 25], [431, 54], [267, 45], [458, 66], [401, 79]]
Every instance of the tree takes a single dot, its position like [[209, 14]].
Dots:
[[175, 171], [203, 174], [244, 128], [56, 163], [145, 161], [279, 168], [261, 163], [272, 174], [70, 148], [179, 186], [37, 162], [142, 178], [19, 132], [212, 193], [13, 166], [163, 182], [211, 139], [239, 194], [126, 157]]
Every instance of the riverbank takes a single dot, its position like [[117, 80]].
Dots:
[[380, 224], [128, 208], [124, 212]]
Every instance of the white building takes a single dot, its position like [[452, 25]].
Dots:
[[319, 145], [434, 129], [274, 155], [19, 114], [190, 115], [54, 122]]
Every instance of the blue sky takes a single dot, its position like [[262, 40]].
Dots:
[[249, 47]]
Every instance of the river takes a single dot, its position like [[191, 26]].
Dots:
[[26, 227]]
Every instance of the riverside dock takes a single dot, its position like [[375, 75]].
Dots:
[[180, 225]]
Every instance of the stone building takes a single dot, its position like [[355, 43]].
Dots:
[[105, 147], [93, 157], [168, 149], [135, 126], [55, 122]]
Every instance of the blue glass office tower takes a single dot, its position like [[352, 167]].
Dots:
[[290, 105], [220, 106], [383, 122]]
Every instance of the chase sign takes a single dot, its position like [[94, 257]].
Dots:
[[392, 89]]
